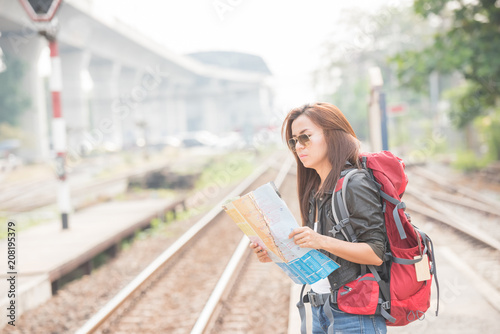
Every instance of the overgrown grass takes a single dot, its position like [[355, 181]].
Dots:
[[221, 171], [487, 148], [157, 227], [226, 169], [468, 161], [27, 220]]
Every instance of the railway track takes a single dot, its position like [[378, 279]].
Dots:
[[442, 183], [181, 294], [460, 208], [467, 222], [258, 299], [177, 289], [29, 196]]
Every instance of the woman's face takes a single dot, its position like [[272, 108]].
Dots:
[[314, 155]]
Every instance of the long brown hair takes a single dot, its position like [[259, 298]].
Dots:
[[342, 147]]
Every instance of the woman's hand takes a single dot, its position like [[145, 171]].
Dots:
[[305, 237], [261, 252], [358, 252]]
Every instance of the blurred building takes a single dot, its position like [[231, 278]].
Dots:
[[238, 106], [121, 89]]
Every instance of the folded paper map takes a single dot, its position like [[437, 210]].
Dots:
[[265, 218]]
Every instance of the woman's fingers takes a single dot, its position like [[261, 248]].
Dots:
[[297, 232], [300, 234], [261, 253], [305, 237]]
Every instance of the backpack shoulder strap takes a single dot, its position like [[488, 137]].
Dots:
[[342, 224]]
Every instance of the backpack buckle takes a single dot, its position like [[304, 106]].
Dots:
[[317, 299], [386, 305], [313, 299], [333, 296]]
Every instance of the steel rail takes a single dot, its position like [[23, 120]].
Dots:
[[104, 313], [37, 202], [227, 276], [470, 193], [23, 201], [7, 190], [489, 292], [220, 288], [448, 217], [463, 201], [444, 215]]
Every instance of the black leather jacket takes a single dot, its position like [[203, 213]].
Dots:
[[366, 218]]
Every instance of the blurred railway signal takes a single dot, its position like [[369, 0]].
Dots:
[[397, 109], [44, 11], [377, 115], [41, 10]]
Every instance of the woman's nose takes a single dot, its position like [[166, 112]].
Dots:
[[298, 146]]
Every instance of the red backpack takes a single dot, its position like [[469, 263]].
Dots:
[[401, 297]]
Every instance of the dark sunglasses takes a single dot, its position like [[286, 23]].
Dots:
[[303, 139]]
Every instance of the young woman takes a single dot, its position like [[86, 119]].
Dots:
[[326, 148]]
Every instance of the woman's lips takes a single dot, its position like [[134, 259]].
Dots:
[[302, 156]]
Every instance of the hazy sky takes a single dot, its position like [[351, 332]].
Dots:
[[288, 34]]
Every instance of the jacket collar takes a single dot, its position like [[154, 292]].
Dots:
[[328, 193]]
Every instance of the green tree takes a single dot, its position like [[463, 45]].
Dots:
[[363, 40], [468, 42], [13, 101]]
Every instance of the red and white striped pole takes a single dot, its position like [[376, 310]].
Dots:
[[44, 11], [59, 133]]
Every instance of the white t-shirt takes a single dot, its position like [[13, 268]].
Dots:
[[322, 286]]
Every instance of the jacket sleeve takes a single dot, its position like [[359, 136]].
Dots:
[[365, 209]]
